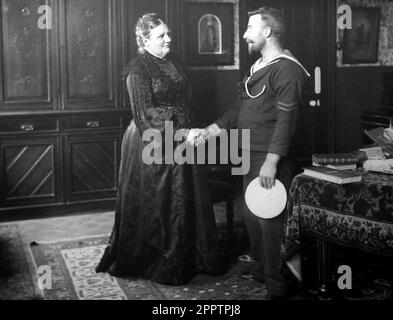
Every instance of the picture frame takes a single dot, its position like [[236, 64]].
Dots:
[[209, 33], [360, 44]]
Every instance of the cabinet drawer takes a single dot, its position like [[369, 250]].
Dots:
[[30, 125], [92, 123]]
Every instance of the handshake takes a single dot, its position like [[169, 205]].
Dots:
[[199, 136]]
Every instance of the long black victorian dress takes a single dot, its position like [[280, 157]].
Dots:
[[164, 223]]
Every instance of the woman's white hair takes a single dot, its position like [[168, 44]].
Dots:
[[143, 26]]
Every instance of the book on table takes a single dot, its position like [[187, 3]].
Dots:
[[373, 152], [333, 175], [338, 158], [337, 166]]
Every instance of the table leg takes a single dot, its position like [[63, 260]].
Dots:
[[323, 257], [230, 214]]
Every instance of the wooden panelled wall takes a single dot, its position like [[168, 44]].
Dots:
[[358, 90]]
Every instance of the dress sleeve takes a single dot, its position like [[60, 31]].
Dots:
[[288, 86], [144, 111]]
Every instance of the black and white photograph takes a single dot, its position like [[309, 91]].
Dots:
[[208, 32], [209, 35], [196, 154], [361, 42]]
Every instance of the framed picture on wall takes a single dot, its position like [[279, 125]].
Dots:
[[209, 32], [360, 44]]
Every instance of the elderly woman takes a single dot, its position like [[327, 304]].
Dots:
[[164, 226]]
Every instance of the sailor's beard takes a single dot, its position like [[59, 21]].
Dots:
[[256, 47]]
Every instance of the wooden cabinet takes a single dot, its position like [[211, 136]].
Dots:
[[63, 103], [59, 163]]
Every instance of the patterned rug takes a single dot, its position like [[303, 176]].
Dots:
[[72, 265]]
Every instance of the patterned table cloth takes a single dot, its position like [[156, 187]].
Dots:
[[358, 215]]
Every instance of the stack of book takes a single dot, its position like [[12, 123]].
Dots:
[[333, 175], [336, 167]]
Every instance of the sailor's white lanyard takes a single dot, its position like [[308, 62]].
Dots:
[[249, 94], [248, 79], [268, 64]]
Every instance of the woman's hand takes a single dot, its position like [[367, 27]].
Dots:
[[182, 134], [196, 136]]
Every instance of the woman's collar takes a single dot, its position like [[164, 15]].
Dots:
[[154, 56]]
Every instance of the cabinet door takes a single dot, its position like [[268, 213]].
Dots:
[[307, 22], [29, 170], [89, 71], [91, 165], [27, 60]]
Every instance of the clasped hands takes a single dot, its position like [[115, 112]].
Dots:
[[198, 136]]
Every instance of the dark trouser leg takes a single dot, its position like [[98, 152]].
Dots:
[[250, 220], [266, 234], [271, 242]]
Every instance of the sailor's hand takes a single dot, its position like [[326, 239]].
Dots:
[[268, 172], [267, 175], [212, 130]]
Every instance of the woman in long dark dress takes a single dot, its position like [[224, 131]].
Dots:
[[164, 223]]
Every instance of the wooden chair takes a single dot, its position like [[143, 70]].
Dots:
[[223, 186]]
